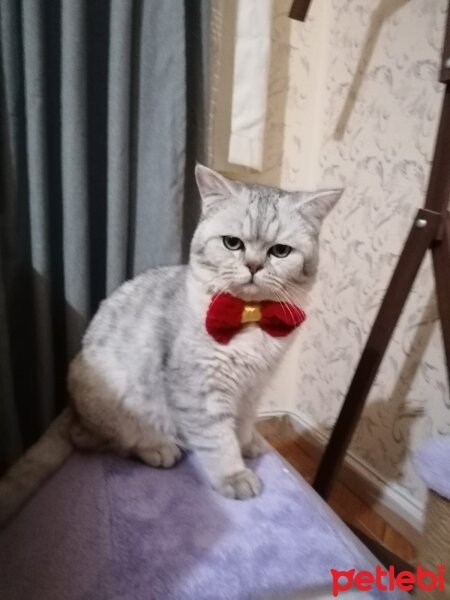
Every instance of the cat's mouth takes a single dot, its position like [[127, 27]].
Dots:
[[250, 291], [250, 285]]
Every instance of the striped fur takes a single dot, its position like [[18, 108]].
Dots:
[[149, 380]]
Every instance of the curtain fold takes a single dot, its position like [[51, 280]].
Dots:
[[160, 115], [118, 140], [74, 169], [97, 98], [38, 192]]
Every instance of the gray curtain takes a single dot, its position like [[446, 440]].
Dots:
[[101, 107]]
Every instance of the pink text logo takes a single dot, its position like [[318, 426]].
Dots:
[[387, 580]]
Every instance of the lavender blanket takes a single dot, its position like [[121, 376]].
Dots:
[[432, 462], [106, 528]]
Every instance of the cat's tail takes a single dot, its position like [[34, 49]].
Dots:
[[35, 466]]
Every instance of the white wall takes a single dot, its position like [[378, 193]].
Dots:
[[362, 112], [354, 101]]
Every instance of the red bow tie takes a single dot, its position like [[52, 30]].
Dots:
[[227, 314]]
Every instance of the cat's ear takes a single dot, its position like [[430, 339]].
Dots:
[[213, 186], [315, 206]]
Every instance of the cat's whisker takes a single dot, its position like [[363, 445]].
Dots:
[[221, 276], [286, 295], [283, 304], [216, 295], [287, 286], [279, 295], [283, 296], [220, 290]]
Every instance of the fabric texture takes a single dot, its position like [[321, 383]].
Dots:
[[432, 463], [106, 528], [102, 121], [250, 83], [240, 66]]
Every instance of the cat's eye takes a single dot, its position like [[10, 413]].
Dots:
[[232, 243], [280, 250]]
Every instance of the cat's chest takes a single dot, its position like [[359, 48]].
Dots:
[[252, 350]]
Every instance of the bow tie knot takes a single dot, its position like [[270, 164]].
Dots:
[[227, 315]]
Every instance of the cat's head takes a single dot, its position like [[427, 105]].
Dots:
[[256, 242]]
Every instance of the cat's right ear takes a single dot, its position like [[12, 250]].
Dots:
[[213, 186]]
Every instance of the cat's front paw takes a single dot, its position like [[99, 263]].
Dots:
[[241, 485], [163, 456], [254, 448]]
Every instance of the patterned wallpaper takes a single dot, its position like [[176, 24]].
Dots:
[[371, 96], [354, 101]]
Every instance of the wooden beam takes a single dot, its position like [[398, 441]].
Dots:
[[445, 70], [299, 9], [421, 236], [441, 263]]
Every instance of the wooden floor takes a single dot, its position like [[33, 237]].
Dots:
[[344, 502]]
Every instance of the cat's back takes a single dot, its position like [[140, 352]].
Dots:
[[136, 308]]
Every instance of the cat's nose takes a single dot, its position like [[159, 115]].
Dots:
[[254, 267]]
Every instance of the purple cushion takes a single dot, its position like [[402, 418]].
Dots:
[[432, 463], [107, 528]]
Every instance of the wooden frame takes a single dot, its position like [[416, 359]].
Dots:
[[299, 9], [430, 230]]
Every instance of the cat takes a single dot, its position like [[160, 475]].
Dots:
[[151, 381]]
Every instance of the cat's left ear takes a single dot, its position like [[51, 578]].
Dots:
[[315, 206], [214, 187]]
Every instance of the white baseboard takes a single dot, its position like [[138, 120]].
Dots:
[[400, 512]]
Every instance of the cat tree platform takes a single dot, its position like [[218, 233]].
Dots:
[[107, 528]]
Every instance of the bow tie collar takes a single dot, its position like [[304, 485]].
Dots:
[[227, 315]]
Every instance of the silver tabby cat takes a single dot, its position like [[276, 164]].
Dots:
[[150, 380]]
